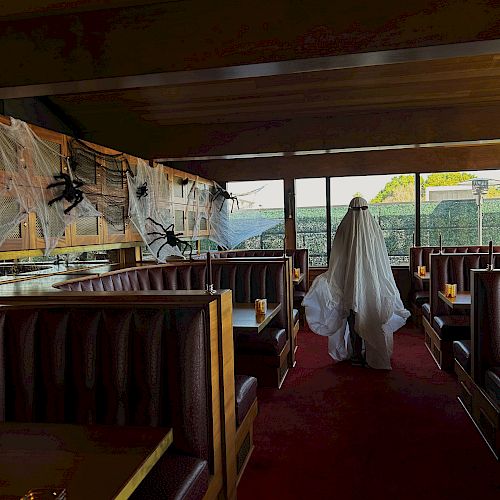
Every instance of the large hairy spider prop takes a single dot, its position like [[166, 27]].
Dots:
[[226, 196], [71, 193], [170, 237]]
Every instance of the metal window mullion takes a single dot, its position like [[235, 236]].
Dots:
[[328, 220], [417, 209]]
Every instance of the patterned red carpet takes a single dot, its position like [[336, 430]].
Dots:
[[343, 432]]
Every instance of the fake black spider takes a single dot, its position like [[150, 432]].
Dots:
[[70, 193], [142, 191], [170, 236], [226, 196]]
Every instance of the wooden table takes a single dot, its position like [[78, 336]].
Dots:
[[102, 462], [425, 278], [296, 281], [461, 301], [244, 317]]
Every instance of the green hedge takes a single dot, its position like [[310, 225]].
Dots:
[[455, 220]]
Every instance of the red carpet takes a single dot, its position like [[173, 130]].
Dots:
[[343, 432]]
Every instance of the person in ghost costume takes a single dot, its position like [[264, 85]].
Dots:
[[358, 285]]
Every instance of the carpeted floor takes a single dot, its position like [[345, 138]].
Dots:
[[343, 432]]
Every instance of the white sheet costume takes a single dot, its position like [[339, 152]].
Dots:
[[359, 278]]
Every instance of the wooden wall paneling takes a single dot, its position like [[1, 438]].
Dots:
[[87, 230], [190, 200], [37, 240], [179, 218], [179, 189], [95, 231], [18, 239], [205, 187]]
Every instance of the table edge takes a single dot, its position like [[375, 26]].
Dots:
[[143, 470]]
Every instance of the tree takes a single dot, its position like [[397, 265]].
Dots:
[[402, 187], [447, 179], [493, 192], [398, 189]]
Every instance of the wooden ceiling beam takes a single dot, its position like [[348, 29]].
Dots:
[[257, 70], [455, 158], [192, 40], [23, 9], [388, 128]]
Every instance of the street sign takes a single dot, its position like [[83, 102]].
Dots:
[[479, 186]]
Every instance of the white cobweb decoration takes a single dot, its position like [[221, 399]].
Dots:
[[152, 213], [197, 209], [12, 212], [231, 222], [35, 165]]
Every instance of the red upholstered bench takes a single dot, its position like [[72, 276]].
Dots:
[[480, 386], [269, 341], [452, 327], [443, 324], [245, 389], [426, 311], [492, 383], [300, 259], [247, 278], [175, 477], [462, 354], [421, 256], [120, 364]]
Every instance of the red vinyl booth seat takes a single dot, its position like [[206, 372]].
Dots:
[[421, 256], [487, 332], [245, 389], [443, 324], [462, 353], [116, 366], [300, 259], [258, 355], [479, 388]]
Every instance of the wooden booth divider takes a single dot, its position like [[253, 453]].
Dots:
[[444, 323], [421, 256], [268, 357], [477, 362], [42, 386]]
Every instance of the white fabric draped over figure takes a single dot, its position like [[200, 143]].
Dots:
[[359, 278]]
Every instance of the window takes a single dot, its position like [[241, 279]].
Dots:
[[310, 213], [259, 221], [392, 203], [450, 208]]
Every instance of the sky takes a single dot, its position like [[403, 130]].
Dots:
[[311, 192]]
